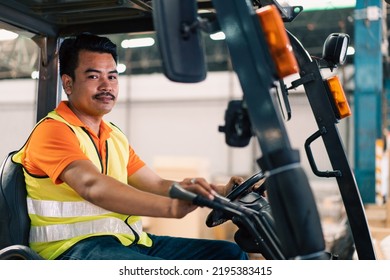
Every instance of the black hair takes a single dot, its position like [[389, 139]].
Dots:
[[70, 48]]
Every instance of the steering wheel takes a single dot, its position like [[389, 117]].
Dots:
[[217, 217]]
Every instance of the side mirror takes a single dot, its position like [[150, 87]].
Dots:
[[179, 40], [237, 128], [335, 48]]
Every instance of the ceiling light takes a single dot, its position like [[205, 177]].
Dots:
[[320, 4], [35, 75], [218, 36], [121, 68], [6, 35], [137, 43], [350, 50]]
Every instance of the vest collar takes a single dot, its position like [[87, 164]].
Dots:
[[65, 112]]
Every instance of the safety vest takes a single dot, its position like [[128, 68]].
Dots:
[[60, 217]]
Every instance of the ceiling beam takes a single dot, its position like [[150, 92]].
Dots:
[[17, 15]]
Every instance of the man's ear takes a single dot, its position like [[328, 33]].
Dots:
[[67, 83]]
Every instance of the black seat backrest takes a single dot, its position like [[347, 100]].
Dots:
[[14, 219]]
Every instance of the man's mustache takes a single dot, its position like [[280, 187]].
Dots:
[[104, 94]]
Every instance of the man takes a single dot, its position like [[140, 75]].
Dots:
[[87, 188]]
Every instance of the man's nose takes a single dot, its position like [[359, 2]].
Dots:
[[105, 85]]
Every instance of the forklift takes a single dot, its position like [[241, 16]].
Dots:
[[286, 224]]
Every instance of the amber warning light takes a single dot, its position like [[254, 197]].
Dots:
[[339, 98], [277, 40]]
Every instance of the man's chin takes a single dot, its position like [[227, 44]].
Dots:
[[105, 109]]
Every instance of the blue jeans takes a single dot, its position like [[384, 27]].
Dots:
[[163, 248]]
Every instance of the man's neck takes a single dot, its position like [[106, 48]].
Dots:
[[93, 122]]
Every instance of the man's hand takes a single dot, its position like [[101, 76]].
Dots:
[[225, 189], [199, 186]]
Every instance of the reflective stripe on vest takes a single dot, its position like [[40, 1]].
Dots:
[[62, 209], [67, 231], [59, 209]]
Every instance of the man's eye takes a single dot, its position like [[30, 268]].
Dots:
[[113, 77]]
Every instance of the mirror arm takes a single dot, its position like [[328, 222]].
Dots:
[[206, 24]]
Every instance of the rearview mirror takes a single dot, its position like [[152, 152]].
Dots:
[[179, 40]]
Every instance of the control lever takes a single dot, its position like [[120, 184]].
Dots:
[[249, 218], [219, 202]]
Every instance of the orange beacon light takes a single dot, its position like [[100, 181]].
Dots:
[[277, 40]]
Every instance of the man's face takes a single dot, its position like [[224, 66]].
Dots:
[[94, 90]]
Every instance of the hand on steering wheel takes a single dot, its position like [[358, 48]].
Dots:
[[217, 217]]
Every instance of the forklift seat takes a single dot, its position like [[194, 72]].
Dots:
[[14, 219]]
